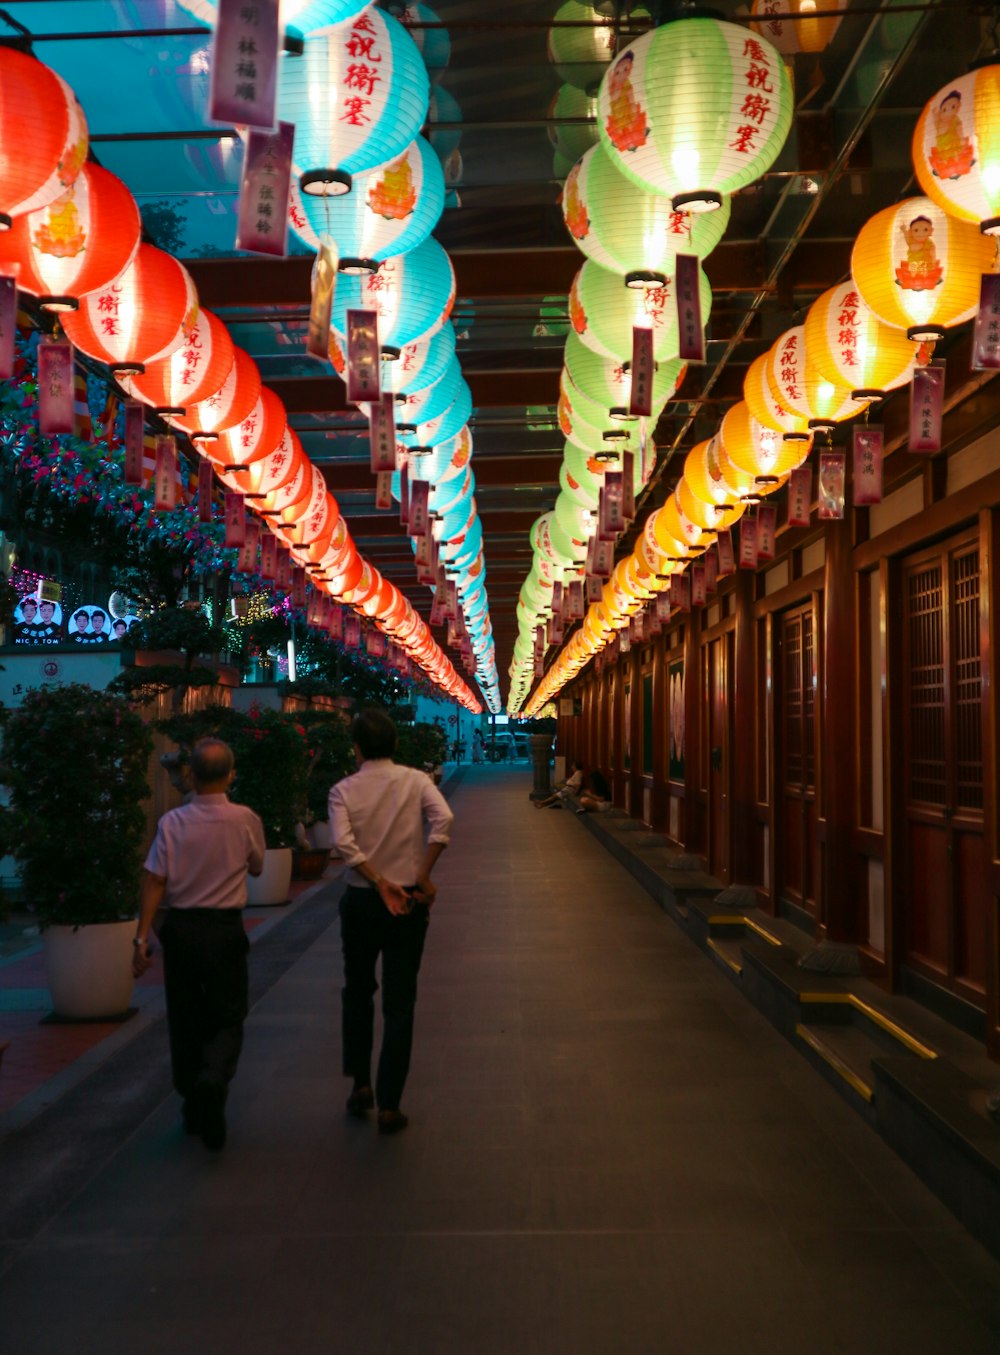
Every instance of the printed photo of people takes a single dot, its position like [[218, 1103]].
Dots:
[[120, 627], [89, 626], [37, 623]]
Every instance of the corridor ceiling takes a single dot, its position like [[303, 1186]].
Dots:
[[139, 68]]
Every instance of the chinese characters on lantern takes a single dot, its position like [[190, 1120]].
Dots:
[[758, 110], [363, 73]]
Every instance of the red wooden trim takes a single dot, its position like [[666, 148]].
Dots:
[[871, 843], [798, 590]]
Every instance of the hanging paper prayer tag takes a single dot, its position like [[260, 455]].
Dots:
[[324, 282], [727, 554], [363, 367], [832, 469], [262, 221], [236, 522], [748, 541], [926, 409], [986, 336], [244, 63], [800, 484], [767, 522], [55, 387], [8, 319], [165, 475], [382, 433], [698, 585], [642, 369], [205, 483], [134, 435], [268, 556], [417, 522], [868, 443], [383, 490], [690, 331]]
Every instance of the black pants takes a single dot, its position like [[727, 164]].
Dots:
[[367, 928], [205, 974]]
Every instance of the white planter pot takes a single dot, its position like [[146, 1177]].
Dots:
[[319, 836], [89, 969], [271, 885]]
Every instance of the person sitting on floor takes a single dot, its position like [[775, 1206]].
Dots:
[[569, 788], [597, 797]]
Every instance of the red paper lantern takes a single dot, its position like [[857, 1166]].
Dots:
[[192, 372], [257, 436], [77, 243], [43, 133], [140, 317], [312, 498], [228, 406]]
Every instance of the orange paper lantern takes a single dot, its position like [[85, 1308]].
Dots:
[[43, 133], [192, 372]]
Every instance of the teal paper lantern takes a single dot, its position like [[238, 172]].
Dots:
[[419, 365], [433, 43], [388, 211], [357, 96], [412, 294]]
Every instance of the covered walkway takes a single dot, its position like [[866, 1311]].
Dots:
[[609, 1151]]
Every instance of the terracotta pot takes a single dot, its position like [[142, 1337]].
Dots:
[[89, 969], [309, 865], [271, 886]]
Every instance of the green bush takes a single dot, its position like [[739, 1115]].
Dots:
[[74, 761], [421, 745], [330, 753], [272, 762]]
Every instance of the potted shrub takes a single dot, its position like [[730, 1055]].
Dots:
[[424, 746], [74, 762], [331, 757], [186, 631], [270, 749]]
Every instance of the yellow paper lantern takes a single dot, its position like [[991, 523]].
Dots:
[[919, 270], [956, 148], [850, 346], [802, 389], [712, 475], [799, 34], [765, 406], [759, 451]]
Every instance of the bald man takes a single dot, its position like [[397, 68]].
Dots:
[[197, 869]]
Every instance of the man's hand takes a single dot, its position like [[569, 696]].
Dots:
[[424, 891], [394, 897], [142, 959]]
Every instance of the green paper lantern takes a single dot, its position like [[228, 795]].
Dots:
[[603, 312], [581, 55], [607, 382], [626, 228], [571, 138], [695, 109]]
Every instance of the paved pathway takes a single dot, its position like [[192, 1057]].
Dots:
[[610, 1153]]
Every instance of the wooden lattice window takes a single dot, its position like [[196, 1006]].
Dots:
[[968, 681], [792, 700], [925, 674]]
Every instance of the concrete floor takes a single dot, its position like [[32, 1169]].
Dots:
[[610, 1151]]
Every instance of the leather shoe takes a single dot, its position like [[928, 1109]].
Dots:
[[208, 1104], [391, 1121], [360, 1102]]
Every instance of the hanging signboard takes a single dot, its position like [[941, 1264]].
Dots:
[[832, 468], [244, 63], [363, 366], [262, 222], [926, 409]]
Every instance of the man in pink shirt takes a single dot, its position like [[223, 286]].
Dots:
[[197, 869], [377, 817]]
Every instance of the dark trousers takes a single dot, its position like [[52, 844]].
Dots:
[[205, 975], [368, 929]]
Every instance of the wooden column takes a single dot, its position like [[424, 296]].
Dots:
[[692, 822], [661, 735], [745, 866], [839, 810]]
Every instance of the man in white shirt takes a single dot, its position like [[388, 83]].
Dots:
[[377, 819], [197, 869]]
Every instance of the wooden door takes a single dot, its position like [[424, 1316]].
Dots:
[[717, 728], [945, 894], [796, 855]]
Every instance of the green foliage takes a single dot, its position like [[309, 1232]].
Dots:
[[74, 760], [272, 762], [183, 629], [421, 745], [331, 756]]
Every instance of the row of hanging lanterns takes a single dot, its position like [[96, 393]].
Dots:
[[687, 114], [917, 270], [73, 237]]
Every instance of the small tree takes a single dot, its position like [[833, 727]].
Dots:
[[187, 630], [74, 761]]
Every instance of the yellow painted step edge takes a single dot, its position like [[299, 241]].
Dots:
[[734, 965], [897, 1032], [835, 1062]]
